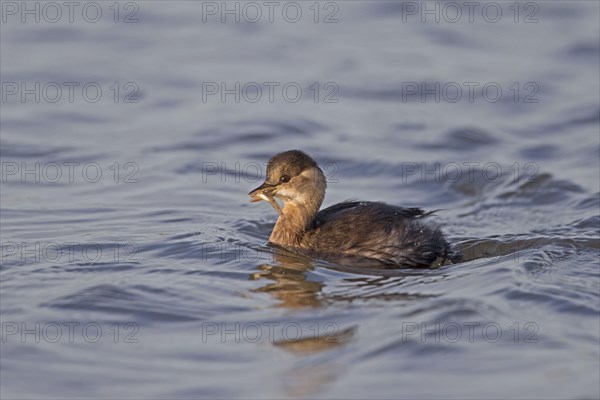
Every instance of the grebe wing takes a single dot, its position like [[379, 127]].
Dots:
[[332, 211]]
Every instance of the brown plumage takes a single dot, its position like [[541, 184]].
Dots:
[[389, 234]]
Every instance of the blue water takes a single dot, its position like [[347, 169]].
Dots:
[[134, 266]]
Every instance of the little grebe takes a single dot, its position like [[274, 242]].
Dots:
[[389, 234]]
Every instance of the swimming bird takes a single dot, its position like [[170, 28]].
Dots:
[[389, 234]]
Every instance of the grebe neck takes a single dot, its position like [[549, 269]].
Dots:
[[298, 215]]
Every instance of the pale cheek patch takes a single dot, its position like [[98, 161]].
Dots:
[[285, 194]]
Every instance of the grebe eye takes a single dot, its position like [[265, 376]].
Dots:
[[285, 178]]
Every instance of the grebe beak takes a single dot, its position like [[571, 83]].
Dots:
[[263, 192]]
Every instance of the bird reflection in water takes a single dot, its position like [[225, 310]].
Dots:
[[287, 277], [289, 281]]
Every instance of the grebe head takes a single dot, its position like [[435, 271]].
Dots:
[[293, 177]]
